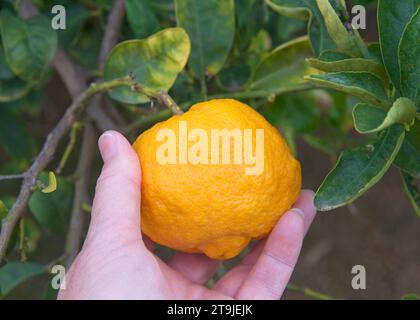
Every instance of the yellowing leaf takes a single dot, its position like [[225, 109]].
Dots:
[[154, 62], [52, 183]]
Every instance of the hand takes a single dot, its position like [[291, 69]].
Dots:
[[116, 261]]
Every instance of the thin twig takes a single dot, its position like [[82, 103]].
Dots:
[[46, 155], [77, 218], [70, 146], [13, 176], [54, 262], [309, 292], [162, 97], [165, 99]]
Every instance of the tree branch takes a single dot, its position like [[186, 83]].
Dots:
[[69, 72], [109, 40], [112, 30], [77, 220], [46, 154]]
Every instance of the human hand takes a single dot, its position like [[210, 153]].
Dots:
[[116, 261]]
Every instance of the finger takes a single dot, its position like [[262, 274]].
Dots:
[[197, 268], [271, 273], [233, 279], [116, 206], [306, 204]]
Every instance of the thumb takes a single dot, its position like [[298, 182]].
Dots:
[[116, 206]]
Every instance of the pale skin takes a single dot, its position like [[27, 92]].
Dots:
[[117, 261]]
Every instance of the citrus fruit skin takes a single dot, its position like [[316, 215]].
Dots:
[[216, 209]]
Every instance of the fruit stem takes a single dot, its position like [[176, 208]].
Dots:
[[162, 96]]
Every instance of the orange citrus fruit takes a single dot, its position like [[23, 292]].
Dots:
[[214, 178]]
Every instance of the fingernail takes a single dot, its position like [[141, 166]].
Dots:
[[107, 146], [298, 211]]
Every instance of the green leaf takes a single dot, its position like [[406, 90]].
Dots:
[[344, 41], [359, 169], [76, 17], [352, 64], [259, 47], [235, 76], [29, 45], [14, 136], [15, 273], [32, 234], [141, 17], [369, 119], [408, 159], [261, 44], [13, 89], [50, 293], [53, 210], [299, 112], [211, 27], [392, 19], [250, 19], [155, 62], [410, 296], [332, 55], [5, 72], [412, 191], [409, 59], [283, 69], [374, 50], [306, 10], [363, 85], [287, 28], [29, 105]]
